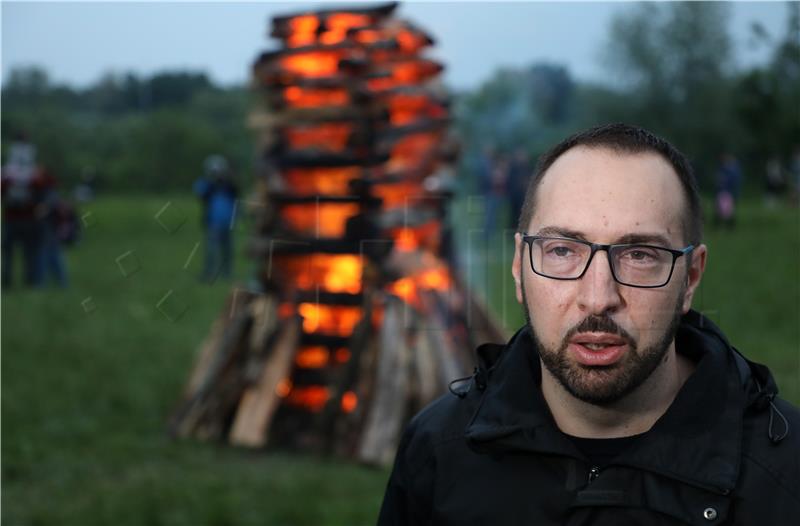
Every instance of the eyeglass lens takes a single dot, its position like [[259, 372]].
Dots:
[[631, 264]]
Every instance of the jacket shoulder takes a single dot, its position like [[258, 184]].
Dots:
[[409, 492], [442, 421]]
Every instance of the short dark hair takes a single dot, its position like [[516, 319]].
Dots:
[[623, 138]]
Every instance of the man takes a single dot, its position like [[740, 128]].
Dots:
[[616, 403]]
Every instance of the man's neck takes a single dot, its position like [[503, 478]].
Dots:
[[634, 414]]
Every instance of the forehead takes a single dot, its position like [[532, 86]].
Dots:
[[607, 194]]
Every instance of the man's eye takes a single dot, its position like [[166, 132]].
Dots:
[[560, 251], [640, 255]]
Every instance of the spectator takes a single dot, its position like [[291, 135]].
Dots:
[[60, 228], [729, 184], [218, 193], [23, 193]]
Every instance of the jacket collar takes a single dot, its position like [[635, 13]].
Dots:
[[698, 440]]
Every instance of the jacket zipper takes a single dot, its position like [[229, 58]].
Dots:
[[594, 472]]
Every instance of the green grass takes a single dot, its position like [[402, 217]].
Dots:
[[751, 287], [86, 395]]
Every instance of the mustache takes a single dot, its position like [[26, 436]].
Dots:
[[595, 323]]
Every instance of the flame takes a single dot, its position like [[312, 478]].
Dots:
[[407, 288], [410, 150], [435, 278], [345, 274], [405, 240], [404, 288], [398, 194], [313, 63], [319, 219], [331, 272], [338, 320], [367, 36], [349, 402], [415, 145], [406, 108], [328, 136], [410, 42], [300, 39], [327, 181], [310, 397], [313, 97], [304, 24], [313, 357], [303, 30], [319, 356], [426, 236], [403, 73], [345, 21]]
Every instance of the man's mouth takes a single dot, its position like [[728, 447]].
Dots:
[[595, 346], [597, 349]]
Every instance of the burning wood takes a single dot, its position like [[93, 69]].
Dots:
[[360, 319]]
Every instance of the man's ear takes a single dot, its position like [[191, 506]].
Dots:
[[516, 265], [696, 268]]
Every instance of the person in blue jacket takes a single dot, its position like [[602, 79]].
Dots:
[[219, 194]]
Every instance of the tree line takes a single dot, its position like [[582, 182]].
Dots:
[[676, 75], [674, 64], [128, 132]]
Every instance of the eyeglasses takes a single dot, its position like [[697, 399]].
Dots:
[[643, 266]]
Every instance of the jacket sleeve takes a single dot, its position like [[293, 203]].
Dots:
[[409, 492]]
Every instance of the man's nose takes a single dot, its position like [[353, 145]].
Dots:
[[598, 290]]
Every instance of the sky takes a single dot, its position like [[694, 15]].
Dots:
[[78, 42]]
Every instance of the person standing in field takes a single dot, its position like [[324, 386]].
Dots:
[[218, 194], [60, 228], [23, 195], [729, 185]]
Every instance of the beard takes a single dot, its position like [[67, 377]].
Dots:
[[605, 385]]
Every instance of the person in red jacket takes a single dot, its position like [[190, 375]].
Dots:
[[24, 188]]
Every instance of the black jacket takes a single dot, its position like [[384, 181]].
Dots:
[[725, 452]]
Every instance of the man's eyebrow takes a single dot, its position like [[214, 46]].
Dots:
[[644, 238], [557, 231]]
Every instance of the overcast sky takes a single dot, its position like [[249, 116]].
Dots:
[[77, 42]]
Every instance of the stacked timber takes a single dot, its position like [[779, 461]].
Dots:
[[359, 319]]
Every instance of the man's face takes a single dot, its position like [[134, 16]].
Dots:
[[598, 338]]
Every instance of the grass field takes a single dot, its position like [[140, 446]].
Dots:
[[86, 395], [91, 373]]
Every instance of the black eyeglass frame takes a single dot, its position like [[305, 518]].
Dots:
[[529, 239]]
